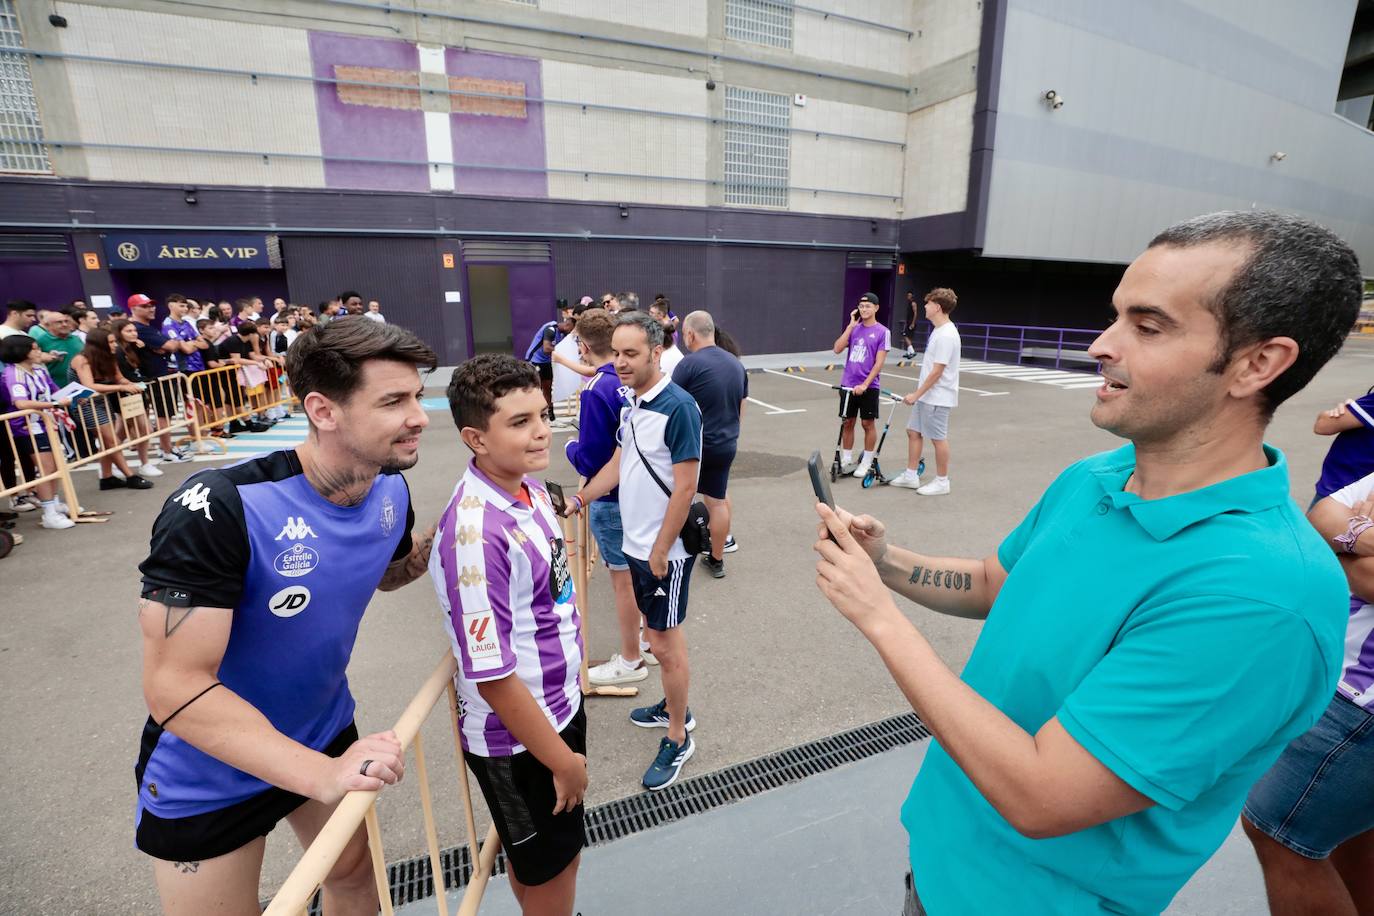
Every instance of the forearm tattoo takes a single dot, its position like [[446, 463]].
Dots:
[[176, 616], [187, 868], [941, 578]]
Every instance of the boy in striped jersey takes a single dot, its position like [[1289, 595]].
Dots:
[[501, 571]]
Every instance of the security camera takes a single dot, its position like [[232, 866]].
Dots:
[[1279, 157], [1054, 99]]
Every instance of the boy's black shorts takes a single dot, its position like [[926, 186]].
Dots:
[[520, 796], [863, 406], [216, 833]]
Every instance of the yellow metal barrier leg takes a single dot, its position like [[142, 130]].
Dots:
[[374, 845], [431, 834]]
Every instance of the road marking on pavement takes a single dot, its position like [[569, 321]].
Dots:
[[773, 409], [799, 378], [978, 391]]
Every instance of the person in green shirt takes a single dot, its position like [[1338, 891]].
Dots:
[[1159, 626], [58, 343]]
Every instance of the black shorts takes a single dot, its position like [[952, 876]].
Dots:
[[163, 396], [714, 475], [520, 796], [865, 406], [545, 371], [216, 833], [663, 602]]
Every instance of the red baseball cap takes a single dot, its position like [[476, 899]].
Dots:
[[139, 299]]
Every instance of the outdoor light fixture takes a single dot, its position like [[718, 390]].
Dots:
[[1278, 157], [1053, 99], [57, 22], [190, 196], [624, 211]]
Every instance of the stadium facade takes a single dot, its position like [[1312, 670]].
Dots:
[[468, 161]]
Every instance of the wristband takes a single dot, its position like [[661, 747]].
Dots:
[[1358, 525], [581, 504]]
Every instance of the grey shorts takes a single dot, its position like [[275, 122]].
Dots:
[[929, 421]]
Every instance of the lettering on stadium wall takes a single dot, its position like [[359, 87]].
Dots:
[[191, 250]]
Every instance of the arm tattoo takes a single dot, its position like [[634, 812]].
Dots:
[[176, 616], [187, 868], [941, 578]]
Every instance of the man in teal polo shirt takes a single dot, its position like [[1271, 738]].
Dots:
[[56, 340], [1161, 624]]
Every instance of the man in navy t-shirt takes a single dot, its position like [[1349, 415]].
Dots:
[[716, 380], [1351, 456], [256, 580], [157, 358], [540, 351]]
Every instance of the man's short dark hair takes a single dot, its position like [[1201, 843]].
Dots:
[[651, 326], [349, 294], [175, 297], [244, 304], [1299, 280], [480, 382], [330, 358], [19, 305]]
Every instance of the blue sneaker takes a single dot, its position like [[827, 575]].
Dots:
[[656, 716], [667, 766]]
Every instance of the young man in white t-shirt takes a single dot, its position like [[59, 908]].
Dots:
[[937, 392]]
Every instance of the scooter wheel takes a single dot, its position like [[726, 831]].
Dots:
[[6, 544], [868, 480], [834, 473]]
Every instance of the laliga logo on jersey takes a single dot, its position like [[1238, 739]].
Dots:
[[479, 636], [289, 601], [388, 515], [197, 499], [296, 561], [296, 529]]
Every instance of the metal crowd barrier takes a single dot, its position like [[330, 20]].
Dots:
[[29, 476], [233, 393], [295, 895], [1014, 343]]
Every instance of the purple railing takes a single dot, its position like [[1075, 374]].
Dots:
[[1065, 348]]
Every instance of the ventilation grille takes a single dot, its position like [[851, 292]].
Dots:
[[30, 247], [527, 252], [21, 129], [764, 22], [757, 147], [412, 879], [871, 260]]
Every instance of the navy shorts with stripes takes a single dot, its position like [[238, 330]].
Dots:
[[663, 602]]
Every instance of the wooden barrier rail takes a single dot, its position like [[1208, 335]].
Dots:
[[294, 896]]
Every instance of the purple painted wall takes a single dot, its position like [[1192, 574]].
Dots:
[[497, 139], [45, 283], [364, 130]]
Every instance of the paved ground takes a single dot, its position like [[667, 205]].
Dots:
[[773, 664]]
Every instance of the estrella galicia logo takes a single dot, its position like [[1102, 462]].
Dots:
[[296, 561], [560, 579], [290, 601]]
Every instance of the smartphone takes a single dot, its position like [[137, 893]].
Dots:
[[819, 483], [560, 505]]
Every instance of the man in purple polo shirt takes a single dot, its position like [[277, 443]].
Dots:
[[1351, 455], [868, 343]]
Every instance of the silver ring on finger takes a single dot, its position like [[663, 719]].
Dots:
[[362, 771]]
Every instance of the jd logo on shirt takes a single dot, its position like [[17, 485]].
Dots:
[[560, 581], [289, 601], [296, 561]]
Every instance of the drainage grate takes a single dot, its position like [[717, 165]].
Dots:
[[411, 879]]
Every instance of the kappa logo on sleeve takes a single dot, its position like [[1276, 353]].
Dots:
[[479, 633], [195, 498]]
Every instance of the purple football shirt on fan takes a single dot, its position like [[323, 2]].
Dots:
[[501, 571], [1357, 669], [865, 343]]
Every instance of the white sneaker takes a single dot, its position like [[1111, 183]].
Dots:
[[56, 522], [937, 487], [24, 503], [616, 671], [908, 479], [149, 470], [645, 654], [864, 465]]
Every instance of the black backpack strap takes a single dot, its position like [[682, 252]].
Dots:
[[647, 466]]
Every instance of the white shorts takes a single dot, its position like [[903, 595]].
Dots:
[[929, 421]]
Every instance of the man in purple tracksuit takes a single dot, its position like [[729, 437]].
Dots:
[[598, 420]]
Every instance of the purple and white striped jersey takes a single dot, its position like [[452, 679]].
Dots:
[[1357, 668], [501, 571]]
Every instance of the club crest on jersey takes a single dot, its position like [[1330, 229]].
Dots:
[[196, 498], [296, 561], [479, 637], [388, 515], [296, 529], [290, 601]]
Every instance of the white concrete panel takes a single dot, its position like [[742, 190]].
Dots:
[[439, 148], [144, 106], [1158, 137], [939, 141], [625, 142], [433, 59], [844, 42], [846, 165], [684, 17], [945, 29]]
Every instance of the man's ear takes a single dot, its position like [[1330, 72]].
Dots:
[[1258, 365], [475, 439], [323, 413]]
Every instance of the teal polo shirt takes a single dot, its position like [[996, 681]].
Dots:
[[1182, 641], [68, 346]]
